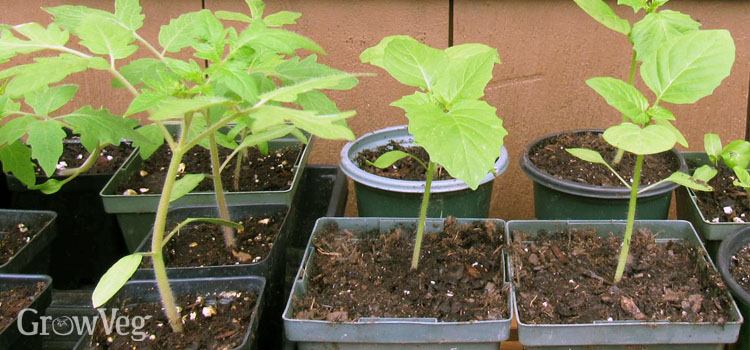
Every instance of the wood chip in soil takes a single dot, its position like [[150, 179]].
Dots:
[[404, 169], [727, 202], [739, 267], [14, 300], [566, 278], [259, 172], [215, 321], [13, 238], [550, 156], [74, 155], [460, 275]]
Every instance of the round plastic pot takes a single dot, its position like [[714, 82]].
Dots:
[[386, 333], [712, 233], [35, 256], [558, 199], [146, 291], [135, 214], [379, 196], [11, 337], [623, 335], [729, 246], [4, 193]]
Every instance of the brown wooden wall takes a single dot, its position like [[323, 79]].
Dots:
[[549, 48]]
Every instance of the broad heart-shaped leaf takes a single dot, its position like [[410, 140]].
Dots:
[[155, 137], [16, 159], [289, 93], [604, 14], [45, 71], [659, 112], [689, 181], [45, 101], [178, 34], [659, 29], [45, 139], [466, 141], [15, 129], [129, 13], [100, 127], [676, 132], [736, 154], [705, 173], [324, 126], [233, 16], [281, 18], [413, 63], [466, 78], [743, 177], [465, 51], [691, 67], [388, 158], [105, 37], [622, 96], [172, 107], [115, 278], [185, 185], [588, 155], [374, 55], [641, 141], [637, 5], [712, 145]]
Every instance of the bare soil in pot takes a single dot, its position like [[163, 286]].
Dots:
[[259, 172], [202, 244], [566, 278], [14, 300], [13, 237], [727, 202], [550, 156], [460, 275], [405, 169], [110, 158], [740, 267], [210, 322]]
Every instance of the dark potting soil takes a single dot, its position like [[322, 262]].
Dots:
[[215, 321], [404, 169], [202, 244], [13, 237], [460, 276], [550, 156], [740, 267], [110, 158], [727, 202], [14, 300], [566, 277], [259, 172]]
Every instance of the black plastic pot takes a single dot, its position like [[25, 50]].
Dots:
[[11, 337], [558, 199], [35, 256], [146, 291], [729, 246], [4, 193]]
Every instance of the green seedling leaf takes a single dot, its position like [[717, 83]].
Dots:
[[588, 155], [659, 29], [256, 8], [269, 134], [45, 101], [282, 18], [172, 107], [233, 16], [155, 137], [387, 159], [276, 40], [100, 127], [736, 154], [239, 82], [705, 173], [743, 177], [324, 126], [185, 185], [462, 52], [689, 181], [146, 100], [227, 223], [115, 278], [659, 112], [641, 141], [48, 187], [298, 71], [198, 125], [413, 63], [43, 72], [16, 159], [105, 37], [138, 70], [602, 13], [637, 5], [15, 129], [374, 55], [466, 78], [128, 12], [39, 39], [691, 67], [318, 102], [677, 134], [712, 145], [290, 93], [178, 34], [45, 139], [622, 96]]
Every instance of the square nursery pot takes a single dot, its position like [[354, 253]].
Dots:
[[727, 250], [146, 291], [559, 199], [387, 333], [135, 214], [81, 218], [11, 337], [379, 196], [622, 335], [712, 233], [34, 257]]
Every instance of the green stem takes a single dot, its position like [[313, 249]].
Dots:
[[631, 78], [422, 216], [631, 220], [230, 240], [238, 166]]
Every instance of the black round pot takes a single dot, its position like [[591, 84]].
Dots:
[[729, 246], [558, 199]]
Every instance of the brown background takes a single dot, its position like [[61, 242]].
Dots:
[[549, 48]]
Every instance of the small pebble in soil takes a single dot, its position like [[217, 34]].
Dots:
[[129, 192], [62, 165], [22, 228], [728, 210], [143, 173], [143, 190], [738, 220]]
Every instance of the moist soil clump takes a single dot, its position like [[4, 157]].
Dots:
[[727, 202], [74, 155], [566, 278], [259, 172], [213, 321], [405, 169], [460, 275], [13, 238], [202, 244], [17, 299], [740, 267], [551, 157]]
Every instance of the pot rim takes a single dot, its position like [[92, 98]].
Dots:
[[729, 246]]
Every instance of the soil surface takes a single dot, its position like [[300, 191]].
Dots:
[[404, 169], [210, 322], [727, 202], [566, 277], [110, 158], [460, 275], [740, 267], [259, 172], [13, 238], [202, 244], [14, 300], [551, 157]]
